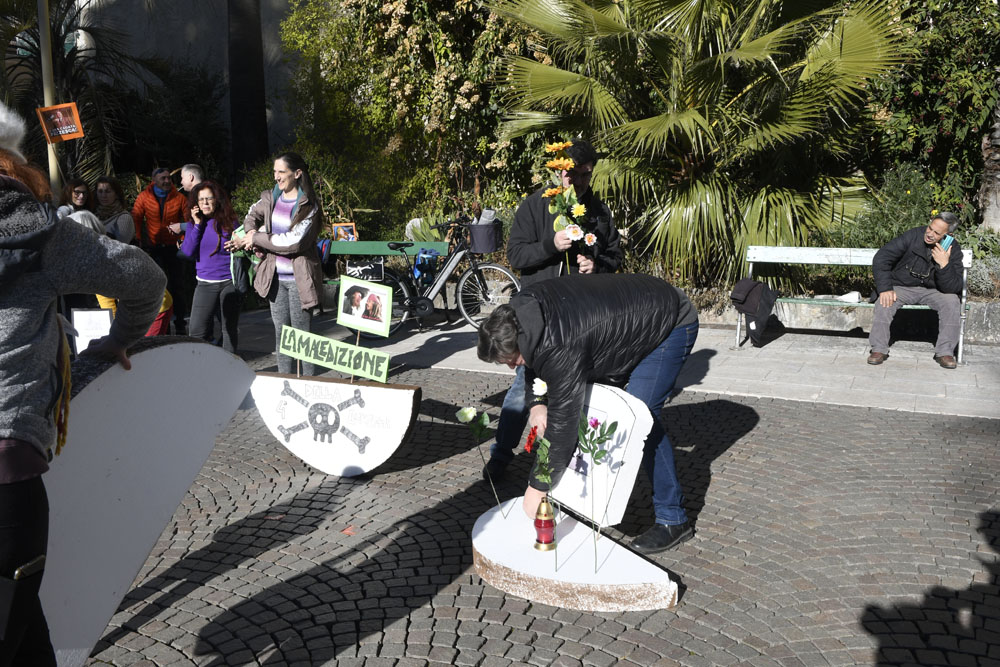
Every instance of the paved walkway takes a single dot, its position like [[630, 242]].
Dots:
[[826, 369], [827, 533]]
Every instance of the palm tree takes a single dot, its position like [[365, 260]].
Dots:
[[724, 123], [89, 66]]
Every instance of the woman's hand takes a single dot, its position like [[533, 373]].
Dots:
[[107, 348], [532, 497], [196, 214], [539, 416]]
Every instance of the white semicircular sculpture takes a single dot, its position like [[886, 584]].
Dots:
[[336, 426], [573, 576], [136, 442]]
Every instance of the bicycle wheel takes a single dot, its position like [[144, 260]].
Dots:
[[482, 288], [400, 295]]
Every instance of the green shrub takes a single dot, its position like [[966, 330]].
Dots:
[[984, 277]]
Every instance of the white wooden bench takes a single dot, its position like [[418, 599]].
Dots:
[[841, 257]]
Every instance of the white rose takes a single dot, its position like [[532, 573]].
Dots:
[[466, 415], [539, 387]]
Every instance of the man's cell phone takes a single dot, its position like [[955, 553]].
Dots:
[[946, 241]]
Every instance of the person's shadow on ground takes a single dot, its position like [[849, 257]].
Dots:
[[329, 610], [949, 626]]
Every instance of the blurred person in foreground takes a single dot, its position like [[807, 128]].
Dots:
[[41, 258], [634, 331]]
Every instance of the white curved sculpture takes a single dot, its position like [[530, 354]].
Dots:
[[136, 441], [336, 426], [576, 575]]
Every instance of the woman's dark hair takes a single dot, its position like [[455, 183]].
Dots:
[[304, 182], [223, 216], [67, 193], [498, 336], [115, 186]]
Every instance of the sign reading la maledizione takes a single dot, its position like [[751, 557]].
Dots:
[[329, 353]]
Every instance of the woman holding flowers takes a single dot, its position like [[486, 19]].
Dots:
[[282, 228], [560, 229], [585, 329]]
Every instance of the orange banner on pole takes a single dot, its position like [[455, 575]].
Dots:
[[60, 122]]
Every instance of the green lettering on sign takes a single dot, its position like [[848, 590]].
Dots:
[[329, 353]]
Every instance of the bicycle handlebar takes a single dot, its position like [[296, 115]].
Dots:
[[460, 220]]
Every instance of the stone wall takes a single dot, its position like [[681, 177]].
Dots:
[[981, 326]]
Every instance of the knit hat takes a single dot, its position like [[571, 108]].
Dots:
[[11, 131]]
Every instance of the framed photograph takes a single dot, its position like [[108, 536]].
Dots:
[[364, 305], [344, 231], [90, 324], [60, 122]]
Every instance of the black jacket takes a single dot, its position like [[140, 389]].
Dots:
[[906, 261], [581, 329], [532, 251]]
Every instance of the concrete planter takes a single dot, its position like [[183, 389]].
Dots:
[[981, 326]]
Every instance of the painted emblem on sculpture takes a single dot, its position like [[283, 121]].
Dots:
[[337, 426]]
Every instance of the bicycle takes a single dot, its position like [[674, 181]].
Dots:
[[481, 287]]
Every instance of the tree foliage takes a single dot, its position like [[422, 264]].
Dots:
[[89, 64], [728, 123], [937, 107], [399, 91]]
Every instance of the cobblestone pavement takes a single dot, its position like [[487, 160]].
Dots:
[[826, 535]]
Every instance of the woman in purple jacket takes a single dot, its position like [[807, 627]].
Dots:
[[205, 240]]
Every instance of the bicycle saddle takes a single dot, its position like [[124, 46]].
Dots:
[[397, 245]]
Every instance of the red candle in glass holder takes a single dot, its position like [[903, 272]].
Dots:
[[545, 526]]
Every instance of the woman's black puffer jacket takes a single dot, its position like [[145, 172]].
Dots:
[[587, 328]]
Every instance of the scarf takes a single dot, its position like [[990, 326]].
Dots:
[[105, 212]]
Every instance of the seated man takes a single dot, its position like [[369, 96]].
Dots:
[[916, 268], [613, 328]]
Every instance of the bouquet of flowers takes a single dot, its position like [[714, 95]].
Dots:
[[563, 203]]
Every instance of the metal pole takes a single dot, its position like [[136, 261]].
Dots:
[[48, 83]]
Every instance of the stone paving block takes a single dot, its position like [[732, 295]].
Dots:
[[809, 516]]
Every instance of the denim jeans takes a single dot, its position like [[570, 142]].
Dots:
[[651, 382], [287, 309], [513, 419]]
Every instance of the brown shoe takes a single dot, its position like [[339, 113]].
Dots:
[[876, 358], [946, 361]]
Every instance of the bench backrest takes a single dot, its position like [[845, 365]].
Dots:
[[382, 248], [840, 256]]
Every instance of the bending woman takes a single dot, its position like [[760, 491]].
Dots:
[[205, 242], [283, 227]]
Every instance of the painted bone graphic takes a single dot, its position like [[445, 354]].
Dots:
[[324, 419], [387, 411]]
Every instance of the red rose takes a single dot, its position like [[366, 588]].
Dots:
[[531, 439]]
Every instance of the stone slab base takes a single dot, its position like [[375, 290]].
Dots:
[[572, 576]]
